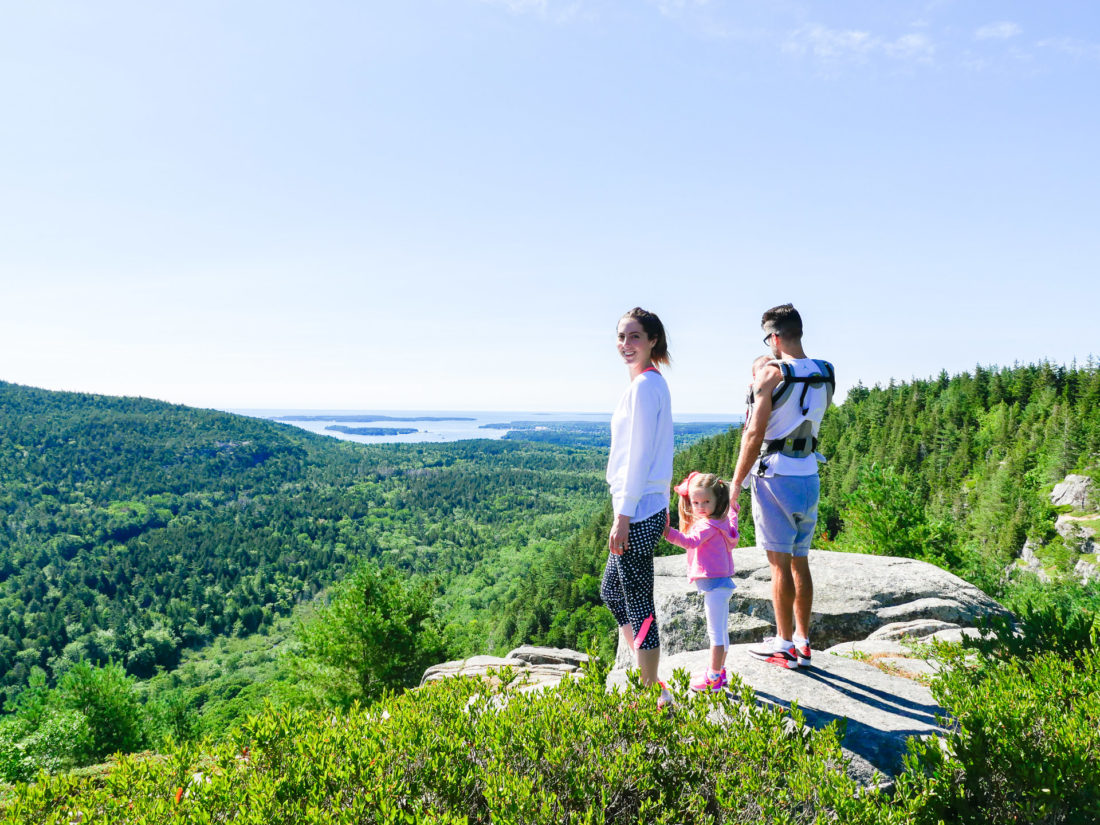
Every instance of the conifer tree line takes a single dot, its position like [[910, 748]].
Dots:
[[958, 470]]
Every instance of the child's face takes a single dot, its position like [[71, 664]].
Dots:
[[702, 502]]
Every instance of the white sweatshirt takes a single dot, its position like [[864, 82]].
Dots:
[[639, 468]]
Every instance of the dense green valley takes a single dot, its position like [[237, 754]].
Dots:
[[132, 530]]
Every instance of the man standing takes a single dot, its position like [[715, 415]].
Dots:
[[779, 455]]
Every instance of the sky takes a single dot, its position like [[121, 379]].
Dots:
[[448, 204]]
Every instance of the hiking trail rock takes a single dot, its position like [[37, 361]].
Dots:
[[854, 595], [545, 666]]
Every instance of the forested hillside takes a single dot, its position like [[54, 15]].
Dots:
[[131, 530], [959, 469], [955, 470]]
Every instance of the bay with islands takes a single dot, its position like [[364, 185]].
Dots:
[[414, 426]]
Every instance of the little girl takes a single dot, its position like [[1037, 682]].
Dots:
[[709, 535]]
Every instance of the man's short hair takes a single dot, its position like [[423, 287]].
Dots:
[[783, 320]]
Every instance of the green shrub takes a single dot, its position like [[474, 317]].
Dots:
[[456, 751], [108, 700], [1061, 618], [57, 742], [1025, 746], [376, 634], [882, 516]]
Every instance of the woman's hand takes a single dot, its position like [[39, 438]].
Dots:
[[620, 532]]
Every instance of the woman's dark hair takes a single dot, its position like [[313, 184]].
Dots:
[[655, 332]]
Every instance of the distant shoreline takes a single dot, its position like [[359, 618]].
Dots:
[[442, 426], [363, 418]]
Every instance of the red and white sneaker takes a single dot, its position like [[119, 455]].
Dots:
[[802, 651], [773, 651]]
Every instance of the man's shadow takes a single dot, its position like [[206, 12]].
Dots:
[[883, 748]]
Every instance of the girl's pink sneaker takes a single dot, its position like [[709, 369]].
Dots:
[[708, 682]]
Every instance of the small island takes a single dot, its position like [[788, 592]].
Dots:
[[339, 428]]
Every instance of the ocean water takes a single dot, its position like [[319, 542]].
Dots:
[[454, 425]]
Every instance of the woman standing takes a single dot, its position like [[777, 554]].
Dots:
[[639, 472]]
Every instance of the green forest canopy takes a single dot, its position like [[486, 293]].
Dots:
[[131, 530]]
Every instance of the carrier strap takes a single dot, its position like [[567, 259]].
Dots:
[[826, 378]]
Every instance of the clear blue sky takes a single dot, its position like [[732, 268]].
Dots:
[[447, 204]]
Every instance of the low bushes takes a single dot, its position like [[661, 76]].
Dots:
[[1023, 746], [455, 751], [1026, 745]]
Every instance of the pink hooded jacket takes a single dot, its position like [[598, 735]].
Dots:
[[709, 544]]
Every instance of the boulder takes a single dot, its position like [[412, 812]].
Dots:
[[1077, 529], [543, 667], [854, 595], [882, 710], [1086, 571], [1029, 562], [549, 656], [1076, 491]]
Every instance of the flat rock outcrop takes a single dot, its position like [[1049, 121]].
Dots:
[[865, 671], [854, 595], [545, 666], [891, 648]]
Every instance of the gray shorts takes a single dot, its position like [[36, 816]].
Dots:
[[784, 511]]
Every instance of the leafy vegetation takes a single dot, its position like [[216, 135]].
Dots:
[[1025, 745], [375, 635], [1022, 747], [955, 471], [93, 712], [977, 453]]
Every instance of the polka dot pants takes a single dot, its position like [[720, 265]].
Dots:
[[627, 587]]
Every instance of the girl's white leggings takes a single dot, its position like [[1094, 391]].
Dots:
[[716, 603]]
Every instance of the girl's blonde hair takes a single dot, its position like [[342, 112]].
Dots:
[[708, 481]]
